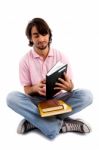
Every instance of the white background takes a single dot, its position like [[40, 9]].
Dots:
[[75, 28]]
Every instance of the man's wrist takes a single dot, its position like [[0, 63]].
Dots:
[[34, 89]]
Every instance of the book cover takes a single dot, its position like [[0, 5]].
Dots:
[[50, 107], [52, 77]]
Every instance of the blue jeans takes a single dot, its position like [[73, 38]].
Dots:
[[26, 106]]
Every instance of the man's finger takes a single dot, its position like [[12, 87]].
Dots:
[[66, 77]]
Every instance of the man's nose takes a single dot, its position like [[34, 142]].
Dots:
[[41, 38]]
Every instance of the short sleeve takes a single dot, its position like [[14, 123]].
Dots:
[[24, 73]]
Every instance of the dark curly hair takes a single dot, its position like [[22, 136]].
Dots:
[[42, 28]]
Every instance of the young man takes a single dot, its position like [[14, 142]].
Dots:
[[32, 70]]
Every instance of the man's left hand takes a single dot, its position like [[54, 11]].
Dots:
[[64, 84]]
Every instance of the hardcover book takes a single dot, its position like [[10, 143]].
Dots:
[[52, 77], [53, 107]]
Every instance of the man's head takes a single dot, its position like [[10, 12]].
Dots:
[[38, 33]]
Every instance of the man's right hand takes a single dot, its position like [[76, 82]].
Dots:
[[40, 88]]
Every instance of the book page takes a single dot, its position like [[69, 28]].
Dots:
[[56, 67]]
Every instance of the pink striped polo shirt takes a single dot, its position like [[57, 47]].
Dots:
[[33, 69]]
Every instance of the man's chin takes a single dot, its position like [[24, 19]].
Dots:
[[42, 47]]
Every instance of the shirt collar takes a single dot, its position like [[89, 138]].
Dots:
[[50, 54]]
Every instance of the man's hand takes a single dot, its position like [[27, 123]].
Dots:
[[64, 84], [40, 88]]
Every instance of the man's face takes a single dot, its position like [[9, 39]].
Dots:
[[40, 41]]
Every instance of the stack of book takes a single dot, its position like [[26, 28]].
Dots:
[[53, 107]]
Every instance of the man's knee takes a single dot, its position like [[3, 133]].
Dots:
[[11, 98], [87, 96]]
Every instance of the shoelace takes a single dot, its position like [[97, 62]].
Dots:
[[29, 126], [73, 127]]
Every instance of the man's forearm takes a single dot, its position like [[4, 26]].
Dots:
[[30, 90]]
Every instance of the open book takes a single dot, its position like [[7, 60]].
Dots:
[[52, 77], [53, 107]]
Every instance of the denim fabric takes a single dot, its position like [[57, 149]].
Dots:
[[26, 106]]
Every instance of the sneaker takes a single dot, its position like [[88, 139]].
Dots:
[[71, 125], [25, 127]]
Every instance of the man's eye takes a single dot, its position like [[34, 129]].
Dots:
[[44, 34], [36, 36]]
